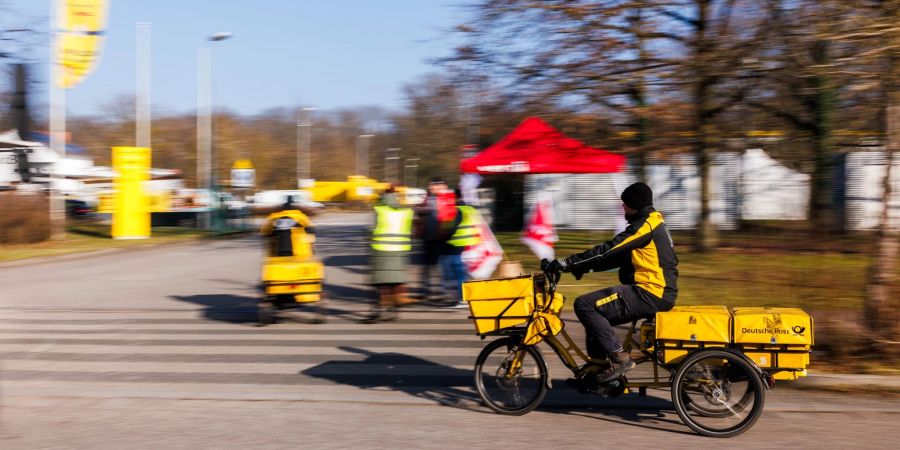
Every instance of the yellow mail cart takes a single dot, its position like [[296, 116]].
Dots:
[[291, 275], [718, 362]]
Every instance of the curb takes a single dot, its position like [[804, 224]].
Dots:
[[846, 383], [106, 251]]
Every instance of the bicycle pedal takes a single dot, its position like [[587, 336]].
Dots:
[[582, 385], [612, 388]]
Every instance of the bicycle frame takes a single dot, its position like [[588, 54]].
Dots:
[[576, 360]]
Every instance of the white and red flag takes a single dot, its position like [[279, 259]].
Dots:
[[481, 260], [539, 235]]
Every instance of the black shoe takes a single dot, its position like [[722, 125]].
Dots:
[[389, 315], [374, 316], [620, 362]]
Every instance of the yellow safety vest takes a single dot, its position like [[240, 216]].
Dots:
[[467, 233], [393, 229]]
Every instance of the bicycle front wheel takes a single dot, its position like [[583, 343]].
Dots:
[[718, 393], [511, 377]]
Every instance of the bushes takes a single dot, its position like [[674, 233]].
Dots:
[[24, 218]]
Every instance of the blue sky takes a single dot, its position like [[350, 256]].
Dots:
[[327, 54]]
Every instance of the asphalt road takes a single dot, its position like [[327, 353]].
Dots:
[[157, 348]]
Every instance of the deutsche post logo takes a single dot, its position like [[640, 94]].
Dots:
[[774, 322], [692, 320]]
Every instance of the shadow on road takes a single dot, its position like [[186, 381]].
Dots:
[[449, 386], [403, 373], [224, 307], [346, 260], [349, 293], [651, 417], [241, 309]]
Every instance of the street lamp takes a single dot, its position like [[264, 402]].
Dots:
[[392, 165], [362, 154], [204, 118], [304, 135], [412, 164]]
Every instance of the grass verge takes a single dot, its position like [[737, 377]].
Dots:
[[83, 238], [748, 270]]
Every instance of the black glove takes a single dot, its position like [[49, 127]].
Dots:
[[555, 266]]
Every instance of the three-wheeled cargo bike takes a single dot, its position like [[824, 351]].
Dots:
[[291, 275], [718, 362]]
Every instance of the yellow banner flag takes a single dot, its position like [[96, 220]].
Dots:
[[83, 15], [78, 39]]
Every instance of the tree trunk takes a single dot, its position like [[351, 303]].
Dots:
[[703, 127], [707, 236], [642, 137], [881, 304], [822, 216]]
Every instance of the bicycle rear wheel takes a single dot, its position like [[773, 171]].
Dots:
[[511, 378], [717, 393]]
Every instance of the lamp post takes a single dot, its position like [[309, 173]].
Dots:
[[362, 154], [392, 165], [204, 122], [304, 136], [412, 164]]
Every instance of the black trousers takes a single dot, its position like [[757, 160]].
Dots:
[[430, 255], [600, 310]]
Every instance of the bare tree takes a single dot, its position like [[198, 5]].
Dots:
[[881, 305], [624, 56]]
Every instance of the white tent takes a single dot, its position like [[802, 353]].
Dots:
[[771, 191]]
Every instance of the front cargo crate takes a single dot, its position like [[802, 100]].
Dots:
[[499, 303]]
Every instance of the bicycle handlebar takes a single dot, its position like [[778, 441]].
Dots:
[[552, 282]]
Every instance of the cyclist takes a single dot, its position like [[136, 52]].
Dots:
[[645, 256]]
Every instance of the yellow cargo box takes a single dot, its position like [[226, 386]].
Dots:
[[779, 359], [289, 268], [289, 275], [499, 303], [782, 326], [694, 324]]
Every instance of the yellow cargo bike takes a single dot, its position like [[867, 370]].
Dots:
[[291, 275], [718, 362]]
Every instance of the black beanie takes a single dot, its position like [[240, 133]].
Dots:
[[637, 196]]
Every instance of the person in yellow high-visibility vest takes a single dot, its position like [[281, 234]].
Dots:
[[465, 233], [389, 257]]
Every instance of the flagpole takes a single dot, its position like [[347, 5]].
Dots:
[[57, 128]]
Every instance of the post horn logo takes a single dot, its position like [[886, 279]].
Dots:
[[798, 330]]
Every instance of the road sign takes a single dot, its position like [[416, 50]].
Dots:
[[243, 175]]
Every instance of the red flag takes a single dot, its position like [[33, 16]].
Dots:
[[539, 234]]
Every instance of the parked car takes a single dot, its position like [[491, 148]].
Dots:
[[77, 208]]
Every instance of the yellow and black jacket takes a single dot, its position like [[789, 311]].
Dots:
[[644, 254]]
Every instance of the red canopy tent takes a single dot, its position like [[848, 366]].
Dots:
[[536, 147]]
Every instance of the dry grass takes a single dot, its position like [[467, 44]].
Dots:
[[83, 237]]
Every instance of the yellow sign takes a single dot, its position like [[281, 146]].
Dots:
[[131, 214], [81, 24], [242, 164]]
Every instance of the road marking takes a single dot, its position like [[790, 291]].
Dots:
[[412, 366]]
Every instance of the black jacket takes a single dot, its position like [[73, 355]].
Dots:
[[644, 254]]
